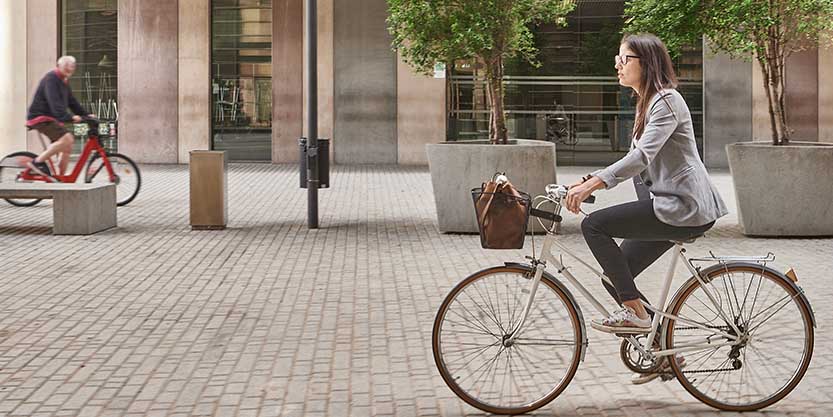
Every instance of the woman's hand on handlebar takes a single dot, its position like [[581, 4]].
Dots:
[[580, 191]]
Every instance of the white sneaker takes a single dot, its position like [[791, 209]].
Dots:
[[623, 321], [664, 371]]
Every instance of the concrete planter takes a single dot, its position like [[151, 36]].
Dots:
[[457, 167], [783, 190]]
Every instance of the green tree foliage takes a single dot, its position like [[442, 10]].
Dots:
[[487, 31], [768, 31]]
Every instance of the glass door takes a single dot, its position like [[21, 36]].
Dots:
[[89, 33], [241, 78]]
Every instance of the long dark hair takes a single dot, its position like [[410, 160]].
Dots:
[[657, 73]]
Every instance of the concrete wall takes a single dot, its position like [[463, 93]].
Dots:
[[287, 79], [420, 116], [365, 84], [42, 51], [148, 80], [727, 102], [825, 93], [13, 99], [194, 115]]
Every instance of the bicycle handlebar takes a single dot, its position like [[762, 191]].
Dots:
[[558, 192]]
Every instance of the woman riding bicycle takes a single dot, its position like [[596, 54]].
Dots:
[[683, 203]]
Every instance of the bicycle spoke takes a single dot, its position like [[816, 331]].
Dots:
[[543, 342], [789, 300], [472, 327], [491, 317], [476, 324]]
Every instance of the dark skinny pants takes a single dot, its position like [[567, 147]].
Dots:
[[646, 238]]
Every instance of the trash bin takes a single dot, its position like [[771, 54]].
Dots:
[[209, 190], [323, 162]]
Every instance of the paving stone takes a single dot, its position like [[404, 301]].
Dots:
[[270, 318]]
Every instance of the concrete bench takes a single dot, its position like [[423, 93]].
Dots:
[[78, 209]]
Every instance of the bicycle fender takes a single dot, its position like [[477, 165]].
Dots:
[[570, 297], [801, 295]]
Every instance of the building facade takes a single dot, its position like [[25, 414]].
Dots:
[[171, 76]]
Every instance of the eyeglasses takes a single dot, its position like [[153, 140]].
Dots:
[[623, 59]]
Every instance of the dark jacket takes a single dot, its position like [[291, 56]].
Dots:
[[52, 98]]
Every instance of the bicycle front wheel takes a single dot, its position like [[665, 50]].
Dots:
[[471, 349], [774, 345], [128, 179]]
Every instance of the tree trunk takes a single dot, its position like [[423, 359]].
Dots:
[[772, 69], [494, 85]]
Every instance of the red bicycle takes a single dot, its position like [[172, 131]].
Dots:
[[95, 162]]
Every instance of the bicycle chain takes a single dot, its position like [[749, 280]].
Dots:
[[703, 371]]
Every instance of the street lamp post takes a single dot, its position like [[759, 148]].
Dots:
[[312, 114]]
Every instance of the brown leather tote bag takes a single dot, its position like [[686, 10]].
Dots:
[[502, 215]]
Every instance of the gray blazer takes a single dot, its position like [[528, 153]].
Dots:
[[666, 160]]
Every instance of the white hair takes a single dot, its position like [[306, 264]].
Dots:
[[66, 60]]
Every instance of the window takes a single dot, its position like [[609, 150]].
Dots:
[[89, 33], [241, 78], [574, 98]]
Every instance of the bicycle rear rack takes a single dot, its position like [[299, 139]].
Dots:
[[770, 257]]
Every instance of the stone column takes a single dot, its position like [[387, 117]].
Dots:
[[420, 114], [42, 50], [825, 94], [761, 126], [802, 95], [148, 80], [287, 78], [727, 103], [194, 125], [365, 84], [13, 99]]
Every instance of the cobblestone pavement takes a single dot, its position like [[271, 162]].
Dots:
[[268, 318]]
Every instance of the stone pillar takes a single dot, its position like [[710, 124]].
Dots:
[[825, 94], [365, 84], [194, 125], [42, 50], [727, 103], [420, 114], [13, 99], [802, 95], [761, 126], [287, 78], [148, 80]]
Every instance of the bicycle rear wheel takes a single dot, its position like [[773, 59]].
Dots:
[[11, 168], [128, 178], [473, 324], [775, 345]]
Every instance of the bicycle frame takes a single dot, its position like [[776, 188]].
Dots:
[[92, 145], [678, 253]]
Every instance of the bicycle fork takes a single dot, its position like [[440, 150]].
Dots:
[[533, 288]]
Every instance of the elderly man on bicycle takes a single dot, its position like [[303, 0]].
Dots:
[[50, 110]]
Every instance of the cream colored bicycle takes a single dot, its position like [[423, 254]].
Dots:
[[509, 339]]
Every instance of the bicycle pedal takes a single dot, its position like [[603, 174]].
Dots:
[[666, 377]]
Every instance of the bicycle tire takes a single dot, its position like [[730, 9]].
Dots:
[[750, 323], [92, 172], [16, 201], [566, 308]]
